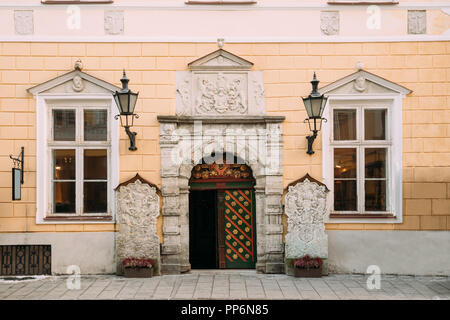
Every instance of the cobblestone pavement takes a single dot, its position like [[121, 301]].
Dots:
[[235, 284]]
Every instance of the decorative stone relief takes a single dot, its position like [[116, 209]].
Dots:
[[78, 84], [220, 84], [305, 207], [137, 211], [220, 94], [329, 22], [360, 84], [183, 93], [23, 22], [114, 22], [417, 21]]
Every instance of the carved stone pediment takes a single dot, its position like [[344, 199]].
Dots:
[[363, 82], [220, 60], [220, 83], [74, 82]]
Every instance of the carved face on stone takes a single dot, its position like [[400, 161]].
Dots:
[[360, 84], [77, 84]]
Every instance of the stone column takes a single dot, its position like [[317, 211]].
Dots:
[[137, 211], [170, 249]]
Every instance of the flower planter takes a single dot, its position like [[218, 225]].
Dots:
[[136, 272], [308, 273]]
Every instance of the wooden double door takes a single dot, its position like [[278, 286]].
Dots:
[[222, 228]]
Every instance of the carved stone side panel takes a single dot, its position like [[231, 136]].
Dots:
[[23, 22], [184, 89], [114, 22], [305, 207], [257, 100], [417, 21], [329, 22], [137, 210]]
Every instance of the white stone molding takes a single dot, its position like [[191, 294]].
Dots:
[[23, 22], [417, 21], [137, 212], [372, 85], [114, 22], [329, 22]]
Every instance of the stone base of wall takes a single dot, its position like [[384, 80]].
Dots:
[[395, 252], [93, 252]]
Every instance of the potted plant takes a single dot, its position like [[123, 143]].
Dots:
[[138, 267], [307, 267]]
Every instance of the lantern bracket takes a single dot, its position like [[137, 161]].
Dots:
[[18, 163]]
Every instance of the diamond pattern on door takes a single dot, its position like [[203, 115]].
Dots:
[[239, 225]]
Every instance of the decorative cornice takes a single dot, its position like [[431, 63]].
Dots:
[[307, 176], [221, 119], [369, 76], [142, 180]]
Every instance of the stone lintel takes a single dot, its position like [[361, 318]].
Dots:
[[247, 119]]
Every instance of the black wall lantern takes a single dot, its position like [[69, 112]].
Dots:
[[17, 175], [126, 101], [314, 105]]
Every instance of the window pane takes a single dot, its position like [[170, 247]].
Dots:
[[95, 197], [95, 124], [345, 162], [345, 195], [375, 195], [344, 122], [64, 161], [64, 197], [375, 124], [375, 159], [95, 164], [64, 125]]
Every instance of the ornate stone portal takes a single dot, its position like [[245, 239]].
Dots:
[[221, 109], [137, 211], [305, 207]]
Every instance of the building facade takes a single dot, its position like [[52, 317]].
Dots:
[[221, 177]]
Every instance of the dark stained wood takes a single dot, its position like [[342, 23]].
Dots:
[[307, 176]]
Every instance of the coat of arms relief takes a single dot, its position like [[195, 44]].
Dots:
[[220, 94], [305, 207]]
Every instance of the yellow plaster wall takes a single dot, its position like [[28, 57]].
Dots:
[[287, 69]]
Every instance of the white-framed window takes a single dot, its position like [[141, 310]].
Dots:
[[362, 159], [77, 159]]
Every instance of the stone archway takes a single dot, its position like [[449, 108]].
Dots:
[[221, 108]]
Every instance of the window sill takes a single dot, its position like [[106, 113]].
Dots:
[[362, 216], [78, 218], [76, 1]]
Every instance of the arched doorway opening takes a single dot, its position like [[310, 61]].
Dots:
[[222, 219]]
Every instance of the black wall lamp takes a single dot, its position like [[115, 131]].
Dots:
[[314, 105], [17, 175], [126, 101]]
